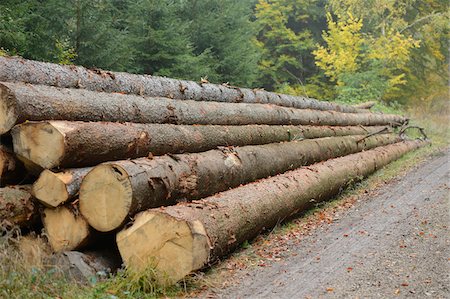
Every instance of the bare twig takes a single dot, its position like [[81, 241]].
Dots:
[[421, 130], [371, 134]]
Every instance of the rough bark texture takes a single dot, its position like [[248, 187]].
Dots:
[[20, 102], [183, 238], [14, 69], [55, 188], [66, 144], [65, 228], [112, 192], [17, 207], [82, 267], [12, 170], [366, 105]]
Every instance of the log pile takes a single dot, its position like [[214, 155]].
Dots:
[[179, 173]]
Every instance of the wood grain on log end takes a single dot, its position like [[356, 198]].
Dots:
[[8, 114], [173, 247], [65, 229], [50, 189], [105, 197], [42, 144]]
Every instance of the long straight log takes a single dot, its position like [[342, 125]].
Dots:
[[17, 207], [366, 105], [65, 228], [66, 144], [179, 239], [14, 69], [12, 170], [112, 192], [55, 188], [21, 102]]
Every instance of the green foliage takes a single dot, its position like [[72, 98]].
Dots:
[[223, 30], [288, 30]]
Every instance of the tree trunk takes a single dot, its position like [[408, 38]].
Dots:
[[53, 144], [20, 103], [12, 170], [55, 188], [21, 70], [65, 228], [180, 239], [17, 207], [366, 105], [113, 192], [83, 266]]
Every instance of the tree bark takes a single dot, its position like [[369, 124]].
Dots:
[[55, 188], [366, 105], [14, 69], [20, 103], [17, 207], [179, 239], [66, 144], [12, 170], [113, 192], [65, 228]]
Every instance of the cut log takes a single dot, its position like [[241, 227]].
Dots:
[[366, 105], [66, 144], [20, 102], [12, 170], [14, 69], [17, 207], [112, 192], [86, 267], [55, 188], [179, 239], [65, 228]]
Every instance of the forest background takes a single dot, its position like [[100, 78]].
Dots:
[[394, 52]]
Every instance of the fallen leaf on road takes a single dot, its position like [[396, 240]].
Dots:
[[329, 290]]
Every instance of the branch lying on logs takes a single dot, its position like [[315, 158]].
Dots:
[[113, 192], [179, 239]]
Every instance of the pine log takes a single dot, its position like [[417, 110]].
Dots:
[[55, 188], [14, 69], [82, 267], [65, 228], [21, 102], [112, 192], [17, 207], [366, 105], [179, 239], [12, 170], [66, 144]]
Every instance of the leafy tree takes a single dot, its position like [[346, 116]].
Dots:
[[288, 31]]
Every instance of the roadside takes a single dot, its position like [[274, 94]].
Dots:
[[392, 241]]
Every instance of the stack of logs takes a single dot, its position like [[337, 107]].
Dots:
[[180, 173]]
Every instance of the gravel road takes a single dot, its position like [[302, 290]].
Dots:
[[394, 243]]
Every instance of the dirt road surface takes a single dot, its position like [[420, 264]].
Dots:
[[394, 243]]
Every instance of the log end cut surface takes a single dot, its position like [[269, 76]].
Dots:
[[50, 189], [173, 247], [106, 197], [8, 114], [43, 144], [65, 230]]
